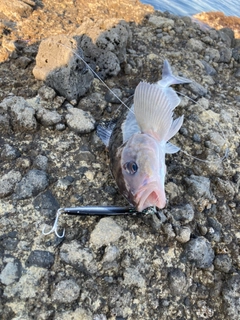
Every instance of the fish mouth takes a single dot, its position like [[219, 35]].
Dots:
[[152, 194]]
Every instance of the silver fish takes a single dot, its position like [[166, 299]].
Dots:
[[139, 141]]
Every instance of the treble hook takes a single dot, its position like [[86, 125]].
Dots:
[[55, 225]]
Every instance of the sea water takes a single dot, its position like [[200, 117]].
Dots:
[[191, 7]]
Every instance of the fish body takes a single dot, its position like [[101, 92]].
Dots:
[[139, 141]]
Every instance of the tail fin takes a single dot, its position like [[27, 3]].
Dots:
[[168, 78], [153, 108]]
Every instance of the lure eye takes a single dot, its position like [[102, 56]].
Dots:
[[131, 167]]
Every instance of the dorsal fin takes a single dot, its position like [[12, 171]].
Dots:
[[153, 108]]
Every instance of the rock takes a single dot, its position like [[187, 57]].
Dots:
[[46, 93], [23, 62], [80, 121], [161, 22], [217, 139], [16, 9], [214, 34], [227, 188], [65, 182], [22, 116], [177, 282], [61, 68], [104, 50], [212, 54], [196, 138], [184, 213], [168, 230], [66, 291], [9, 152], [42, 106], [9, 241], [199, 187], [207, 40], [231, 297], [78, 314], [8, 182], [32, 184], [78, 257], [95, 103], [11, 272], [23, 162], [197, 88], [225, 54], [60, 127], [223, 263], [41, 162], [195, 45], [199, 252], [173, 190], [227, 36], [214, 230], [106, 231], [114, 98], [208, 68], [47, 204], [183, 235], [27, 286], [48, 118], [111, 254], [41, 259], [236, 54]]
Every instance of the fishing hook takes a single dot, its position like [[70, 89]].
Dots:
[[55, 225]]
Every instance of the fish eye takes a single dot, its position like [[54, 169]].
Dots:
[[131, 167]]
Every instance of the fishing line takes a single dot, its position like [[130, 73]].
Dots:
[[95, 74]]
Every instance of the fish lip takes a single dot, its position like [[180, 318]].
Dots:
[[145, 195]]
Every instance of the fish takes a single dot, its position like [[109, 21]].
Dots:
[[139, 141]]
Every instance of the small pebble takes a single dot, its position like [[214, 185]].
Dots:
[[199, 252], [66, 291], [106, 231], [196, 138], [184, 235], [41, 259]]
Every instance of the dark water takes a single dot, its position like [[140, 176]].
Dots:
[[191, 7]]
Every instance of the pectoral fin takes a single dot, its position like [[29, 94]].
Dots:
[[171, 148]]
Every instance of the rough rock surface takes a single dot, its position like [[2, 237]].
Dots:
[[184, 265], [59, 66]]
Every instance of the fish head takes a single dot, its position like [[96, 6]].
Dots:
[[143, 171]]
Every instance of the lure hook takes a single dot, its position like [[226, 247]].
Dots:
[[55, 225]]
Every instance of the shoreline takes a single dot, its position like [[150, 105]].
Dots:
[[219, 20]]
